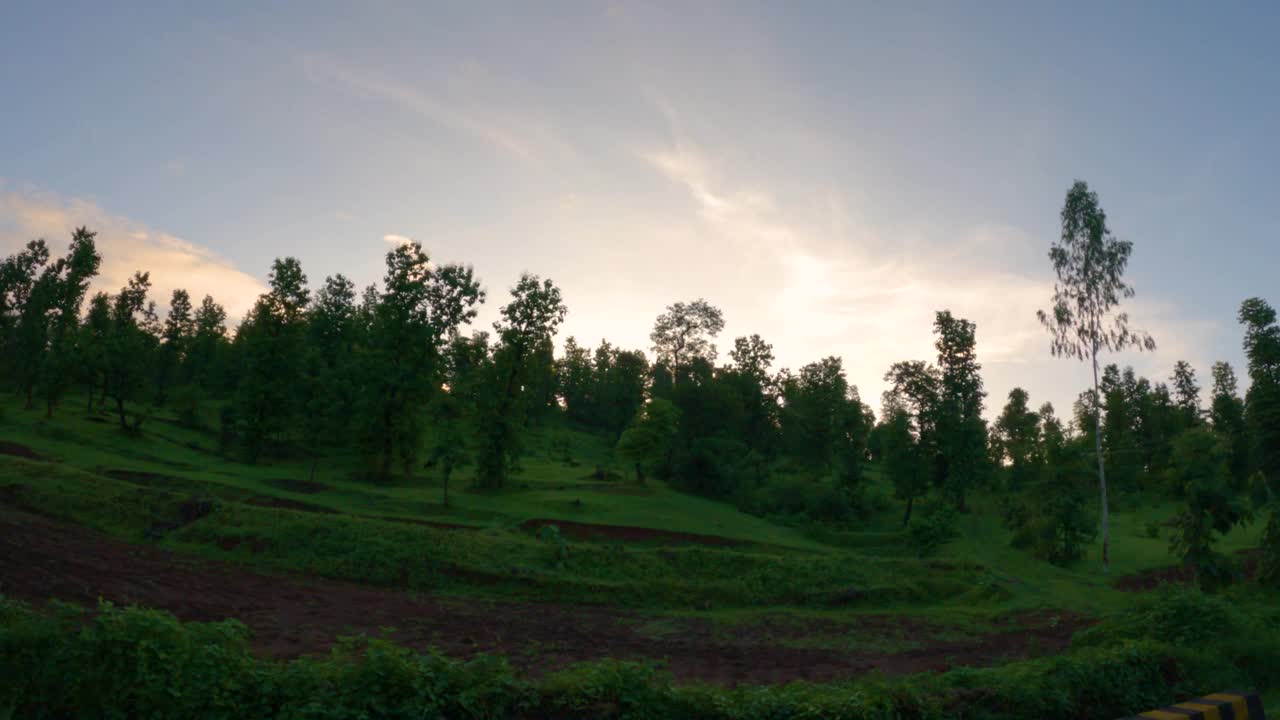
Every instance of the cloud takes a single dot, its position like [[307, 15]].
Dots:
[[820, 280], [397, 239], [456, 114], [126, 246]]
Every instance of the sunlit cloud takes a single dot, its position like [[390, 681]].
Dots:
[[397, 239], [826, 284], [126, 246]]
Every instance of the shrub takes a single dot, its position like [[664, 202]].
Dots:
[[932, 529], [126, 663], [185, 401]]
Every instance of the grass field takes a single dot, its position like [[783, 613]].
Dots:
[[642, 572]]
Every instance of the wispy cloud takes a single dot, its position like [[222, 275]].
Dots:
[[826, 283], [455, 114], [126, 246], [397, 239]]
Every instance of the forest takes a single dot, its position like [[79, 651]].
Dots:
[[390, 394]]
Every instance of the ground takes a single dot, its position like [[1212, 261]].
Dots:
[[303, 557]]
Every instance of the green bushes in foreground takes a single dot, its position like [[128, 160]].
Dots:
[[133, 663]]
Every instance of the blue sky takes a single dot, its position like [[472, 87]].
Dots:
[[828, 173]]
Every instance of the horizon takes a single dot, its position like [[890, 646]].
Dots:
[[829, 182]]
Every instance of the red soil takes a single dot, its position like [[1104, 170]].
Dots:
[[625, 533], [291, 615]]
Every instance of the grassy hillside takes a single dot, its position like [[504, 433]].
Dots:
[[674, 571]]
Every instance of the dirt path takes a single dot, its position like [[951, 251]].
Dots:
[[291, 615]]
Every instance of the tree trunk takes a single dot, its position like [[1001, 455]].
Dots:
[[124, 424], [906, 517], [30, 396], [386, 442], [1102, 470], [315, 460]]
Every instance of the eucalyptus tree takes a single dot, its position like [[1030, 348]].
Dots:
[[1090, 263]]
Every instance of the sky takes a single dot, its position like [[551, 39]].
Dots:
[[829, 174]]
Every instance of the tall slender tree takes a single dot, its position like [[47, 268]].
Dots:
[[1090, 263]]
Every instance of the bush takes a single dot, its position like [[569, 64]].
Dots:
[[186, 401], [1171, 614], [932, 529], [828, 503], [127, 663]]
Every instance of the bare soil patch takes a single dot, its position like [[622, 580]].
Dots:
[[278, 502], [18, 450], [291, 615], [305, 487], [625, 533], [1180, 575]]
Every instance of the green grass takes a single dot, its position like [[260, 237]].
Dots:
[[776, 570]]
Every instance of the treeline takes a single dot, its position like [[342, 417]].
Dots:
[[387, 373]]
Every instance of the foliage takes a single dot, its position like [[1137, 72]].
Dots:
[[932, 529], [1201, 470], [138, 663]]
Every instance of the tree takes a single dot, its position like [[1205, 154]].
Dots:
[[1090, 263], [684, 332], [1201, 468], [1017, 434], [1226, 417], [1262, 402], [208, 344], [962, 435], [1186, 393], [903, 459], [24, 302], [577, 382], [753, 360], [94, 334], [1053, 441], [271, 345], [129, 345], [647, 442], [532, 317], [420, 307], [449, 449], [619, 378], [179, 329], [823, 423], [914, 391], [67, 281]]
